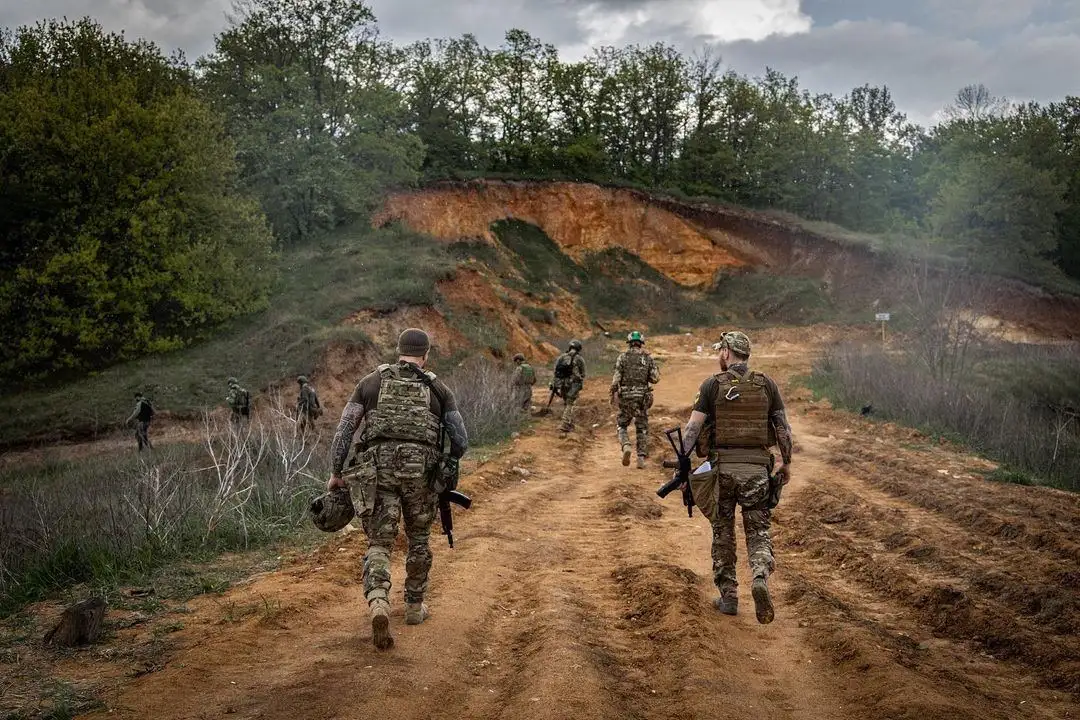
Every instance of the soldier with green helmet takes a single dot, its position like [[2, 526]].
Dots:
[[631, 392], [569, 378], [239, 400], [521, 382], [308, 407], [738, 416], [398, 471]]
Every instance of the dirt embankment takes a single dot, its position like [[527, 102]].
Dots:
[[692, 242]]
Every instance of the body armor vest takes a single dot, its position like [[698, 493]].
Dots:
[[403, 412], [741, 413], [635, 370]]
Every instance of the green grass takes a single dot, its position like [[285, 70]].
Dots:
[[321, 285]]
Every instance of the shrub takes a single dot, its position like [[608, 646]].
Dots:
[[482, 390]]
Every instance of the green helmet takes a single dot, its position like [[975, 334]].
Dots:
[[333, 510], [575, 345], [635, 337], [736, 341], [302, 379]]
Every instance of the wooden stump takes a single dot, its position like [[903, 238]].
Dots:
[[79, 624]]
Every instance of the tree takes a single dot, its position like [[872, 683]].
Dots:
[[124, 231], [974, 102]]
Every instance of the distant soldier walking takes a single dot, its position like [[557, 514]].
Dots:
[[142, 415], [308, 408], [568, 380], [239, 400], [631, 392], [739, 415], [521, 382], [398, 471]]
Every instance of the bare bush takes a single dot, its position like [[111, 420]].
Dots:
[[484, 397], [95, 522]]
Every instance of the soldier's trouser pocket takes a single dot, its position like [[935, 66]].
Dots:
[[363, 479]]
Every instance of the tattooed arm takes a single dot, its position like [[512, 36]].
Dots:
[[455, 429], [692, 430], [339, 446]]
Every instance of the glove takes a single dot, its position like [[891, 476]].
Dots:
[[449, 474]]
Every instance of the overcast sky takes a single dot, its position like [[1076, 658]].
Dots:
[[924, 50]]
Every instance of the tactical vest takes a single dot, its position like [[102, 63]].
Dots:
[[635, 370], [403, 412], [741, 413]]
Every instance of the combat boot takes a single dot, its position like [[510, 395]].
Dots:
[[626, 455], [416, 613], [380, 624], [727, 603], [641, 462], [762, 602]]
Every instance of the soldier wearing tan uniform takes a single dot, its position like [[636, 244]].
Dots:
[[737, 417], [631, 392], [398, 471]]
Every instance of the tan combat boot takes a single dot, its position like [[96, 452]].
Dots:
[[626, 455], [763, 607], [641, 462], [380, 624], [416, 613]]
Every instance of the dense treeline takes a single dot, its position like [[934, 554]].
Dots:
[[125, 176]]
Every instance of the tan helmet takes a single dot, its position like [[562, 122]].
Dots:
[[333, 510], [736, 341]]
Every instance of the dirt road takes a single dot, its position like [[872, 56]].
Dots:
[[905, 588]]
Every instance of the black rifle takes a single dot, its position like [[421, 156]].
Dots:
[[446, 497], [681, 477], [446, 514]]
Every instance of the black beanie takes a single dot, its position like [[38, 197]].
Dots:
[[413, 343]]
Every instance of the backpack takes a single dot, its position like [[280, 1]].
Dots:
[[564, 366], [245, 402], [146, 410], [528, 375]]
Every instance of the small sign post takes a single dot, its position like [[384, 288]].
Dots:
[[882, 318]]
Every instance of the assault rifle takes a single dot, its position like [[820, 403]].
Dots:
[[551, 396], [681, 477]]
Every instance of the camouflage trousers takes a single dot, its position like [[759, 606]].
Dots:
[[748, 486], [142, 434], [522, 396], [401, 492], [634, 406], [568, 391]]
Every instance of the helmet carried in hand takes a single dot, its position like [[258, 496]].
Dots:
[[333, 510]]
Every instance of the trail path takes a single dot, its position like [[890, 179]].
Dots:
[[574, 592]]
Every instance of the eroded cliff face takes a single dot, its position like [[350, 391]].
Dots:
[[580, 218]]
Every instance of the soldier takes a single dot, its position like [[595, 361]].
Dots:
[[631, 392], [308, 408], [398, 471], [142, 415], [239, 401], [738, 415], [568, 381], [521, 382]]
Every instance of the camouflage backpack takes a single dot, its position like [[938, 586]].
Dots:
[[564, 366], [403, 411]]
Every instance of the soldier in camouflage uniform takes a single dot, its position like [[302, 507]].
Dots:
[[398, 471], [521, 382], [738, 415], [142, 415], [631, 392], [239, 400], [308, 407], [569, 378]]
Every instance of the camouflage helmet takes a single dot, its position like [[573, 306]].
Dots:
[[333, 510], [233, 381], [519, 358], [737, 342], [635, 337], [575, 345], [302, 379]]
